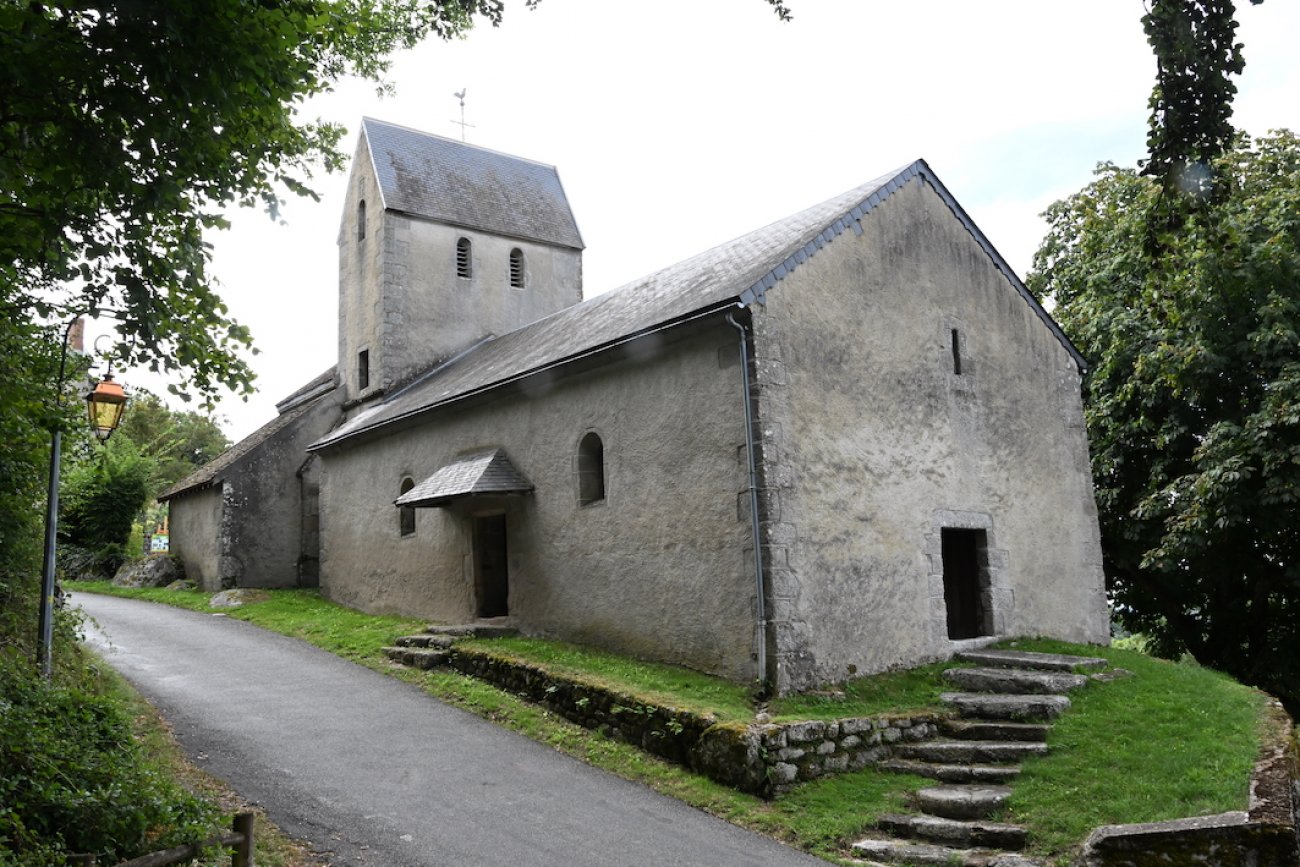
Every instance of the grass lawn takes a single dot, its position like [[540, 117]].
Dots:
[[1175, 740]]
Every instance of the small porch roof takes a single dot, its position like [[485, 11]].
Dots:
[[485, 473]]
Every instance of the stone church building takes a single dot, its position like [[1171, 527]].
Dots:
[[846, 441]]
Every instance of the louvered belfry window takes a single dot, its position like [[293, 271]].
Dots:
[[464, 260], [517, 268]]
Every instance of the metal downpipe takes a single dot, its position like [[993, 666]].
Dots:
[[760, 609]]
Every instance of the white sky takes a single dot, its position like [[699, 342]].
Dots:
[[680, 124]]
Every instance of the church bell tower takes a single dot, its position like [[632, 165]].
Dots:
[[443, 244]]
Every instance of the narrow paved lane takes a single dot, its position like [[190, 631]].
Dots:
[[376, 772]]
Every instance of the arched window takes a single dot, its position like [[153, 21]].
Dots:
[[361, 220], [406, 514], [464, 259], [517, 268], [591, 470]]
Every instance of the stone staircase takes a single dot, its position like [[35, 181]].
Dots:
[[1005, 707], [432, 648]]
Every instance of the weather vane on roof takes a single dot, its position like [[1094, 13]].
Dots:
[[461, 123]]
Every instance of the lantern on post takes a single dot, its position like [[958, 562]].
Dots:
[[105, 403]]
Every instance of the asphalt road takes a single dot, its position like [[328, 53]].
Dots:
[[373, 771]]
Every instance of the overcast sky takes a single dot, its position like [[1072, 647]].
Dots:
[[679, 124]]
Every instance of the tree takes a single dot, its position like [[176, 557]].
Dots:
[[176, 442], [101, 499], [1193, 405], [126, 127], [1191, 105]]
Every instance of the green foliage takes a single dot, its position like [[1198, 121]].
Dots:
[[126, 128], [1191, 105], [1193, 404], [177, 443], [100, 500], [73, 779]]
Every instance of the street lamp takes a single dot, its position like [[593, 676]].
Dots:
[[105, 404]]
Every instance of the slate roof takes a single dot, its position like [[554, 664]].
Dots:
[[482, 473], [738, 272], [214, 470], [447, 180]]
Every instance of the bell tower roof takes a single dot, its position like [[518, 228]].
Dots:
[[460, 184]]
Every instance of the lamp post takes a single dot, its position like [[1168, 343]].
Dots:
[[105, 404]]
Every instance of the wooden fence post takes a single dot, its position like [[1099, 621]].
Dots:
[[243, 853]]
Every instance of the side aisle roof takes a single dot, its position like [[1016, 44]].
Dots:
[[292, 408]]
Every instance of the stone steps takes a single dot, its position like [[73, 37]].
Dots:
[[485, 629], [952, 772], [971, 752], [432, 648], [425, 639], [954, 833], [1005, 706], [1032, 660], [877, 851], [1017, 708], [418, 657], [1015, 681], [982, 730], [962, 802]]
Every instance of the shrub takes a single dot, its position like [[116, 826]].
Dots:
[[101, 499], [73, 778]]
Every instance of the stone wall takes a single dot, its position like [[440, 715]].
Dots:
[[195, 519], [763, 759], [798, 752]]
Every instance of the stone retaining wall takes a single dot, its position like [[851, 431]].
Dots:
[[765, 759], [798, 752]]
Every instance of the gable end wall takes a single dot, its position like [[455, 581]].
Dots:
[[873, 444]]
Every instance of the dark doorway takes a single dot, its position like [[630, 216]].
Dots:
[[965, 583], [491, 575]]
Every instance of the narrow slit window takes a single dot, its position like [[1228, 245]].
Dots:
[[956, 352], [406, 514], [361, 220], [517, 268], [363, 369], [591, 470], [464, 259]]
